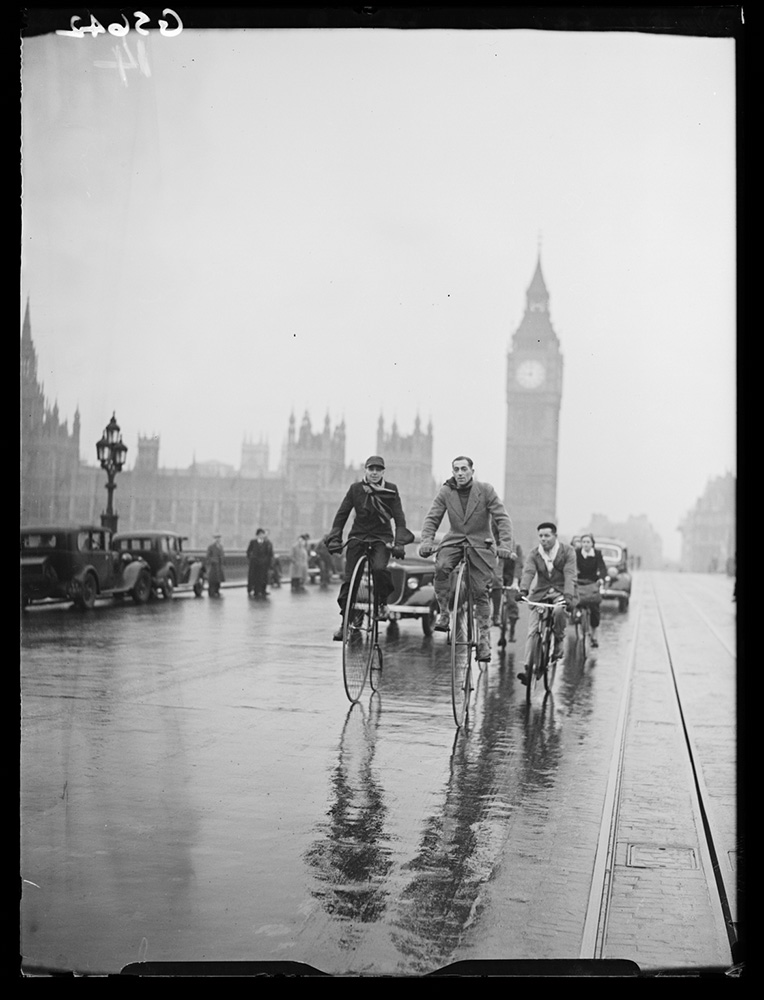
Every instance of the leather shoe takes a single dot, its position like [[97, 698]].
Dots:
[[441, 622], [338, 635], [523, 678]]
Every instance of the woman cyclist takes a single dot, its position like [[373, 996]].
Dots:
[[591, 569]]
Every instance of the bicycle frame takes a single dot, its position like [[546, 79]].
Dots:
[[540, 665]]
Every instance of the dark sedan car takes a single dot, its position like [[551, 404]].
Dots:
[[171, 567], [617, 586], [77, 563], [414, 595]]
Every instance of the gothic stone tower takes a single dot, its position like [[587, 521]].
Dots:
[[409, 465], [534, 391]]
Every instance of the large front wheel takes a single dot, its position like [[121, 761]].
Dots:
[[461, 647], [358, 629]]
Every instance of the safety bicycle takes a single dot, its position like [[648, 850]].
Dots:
[[540, 665], [464, 634], [582, 620]]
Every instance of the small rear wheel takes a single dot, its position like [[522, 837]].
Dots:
[[168, 587], [375, 672]]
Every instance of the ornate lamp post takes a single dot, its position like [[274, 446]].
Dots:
[[111, 454]]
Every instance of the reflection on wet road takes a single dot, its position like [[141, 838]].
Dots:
[[195, 786]]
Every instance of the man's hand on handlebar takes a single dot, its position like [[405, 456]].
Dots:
[[426, 549], [505, 553], [398, 551]]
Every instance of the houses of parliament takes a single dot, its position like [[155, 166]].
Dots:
[[58, 487]]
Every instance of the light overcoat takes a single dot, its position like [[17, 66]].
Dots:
[[473, 524]]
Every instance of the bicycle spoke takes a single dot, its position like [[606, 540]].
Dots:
[[359, 629], [461, 647]]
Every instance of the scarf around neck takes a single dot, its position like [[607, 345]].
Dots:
[[378, 496]]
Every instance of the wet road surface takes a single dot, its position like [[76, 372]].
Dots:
[[196, 787]]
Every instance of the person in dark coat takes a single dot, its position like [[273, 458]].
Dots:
[[505, 577], [214, 565], [260, 558], [591, 568], [376, 503]]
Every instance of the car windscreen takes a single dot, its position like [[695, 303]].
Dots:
[[39, 541], [612, 554]]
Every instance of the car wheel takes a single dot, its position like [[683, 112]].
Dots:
[[88, 592], [428, 620], [168, 587], [198, 588], [623, 603], [142, 589]]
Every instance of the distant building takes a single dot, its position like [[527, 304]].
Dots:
[[534, 394], [50, 453], [708, 530], [301, 496]]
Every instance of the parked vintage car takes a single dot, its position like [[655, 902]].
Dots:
[[617, 587], [77, 563], [414, 594], [171, 568]]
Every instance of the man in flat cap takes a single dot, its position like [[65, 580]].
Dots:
[[376, 503]]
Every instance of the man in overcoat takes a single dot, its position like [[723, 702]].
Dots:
[[376, 503], [551, 570], [473, 509], [260, 558]]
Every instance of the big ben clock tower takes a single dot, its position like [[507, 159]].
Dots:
[[534, 391]]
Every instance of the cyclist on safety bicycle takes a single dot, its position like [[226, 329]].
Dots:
[[504, 583], [473, 509], [376, 502], [591, 568], [552, 564]]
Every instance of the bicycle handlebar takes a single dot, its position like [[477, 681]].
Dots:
[[541, 604]]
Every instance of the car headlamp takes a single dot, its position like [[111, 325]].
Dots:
[[412, 583]]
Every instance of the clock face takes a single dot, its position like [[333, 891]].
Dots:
[[530, 374]]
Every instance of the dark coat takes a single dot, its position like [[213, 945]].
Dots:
[[592, 569], [260, 552], [368, 523]]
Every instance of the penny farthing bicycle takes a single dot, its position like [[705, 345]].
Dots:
[[464, 637], [361, 653]]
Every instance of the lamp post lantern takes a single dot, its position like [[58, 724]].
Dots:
[[111, 454]]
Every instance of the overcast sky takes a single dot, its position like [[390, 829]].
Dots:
[[249, 223]]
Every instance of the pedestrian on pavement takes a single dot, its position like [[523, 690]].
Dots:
[[214, 565], [552, 564], [376, 503], [324, 557], [473, 509], [260, 558], [299, 565]]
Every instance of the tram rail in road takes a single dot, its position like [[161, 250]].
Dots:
[[684, 629]]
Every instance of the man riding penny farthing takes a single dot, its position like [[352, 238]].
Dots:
[[367, 582]]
